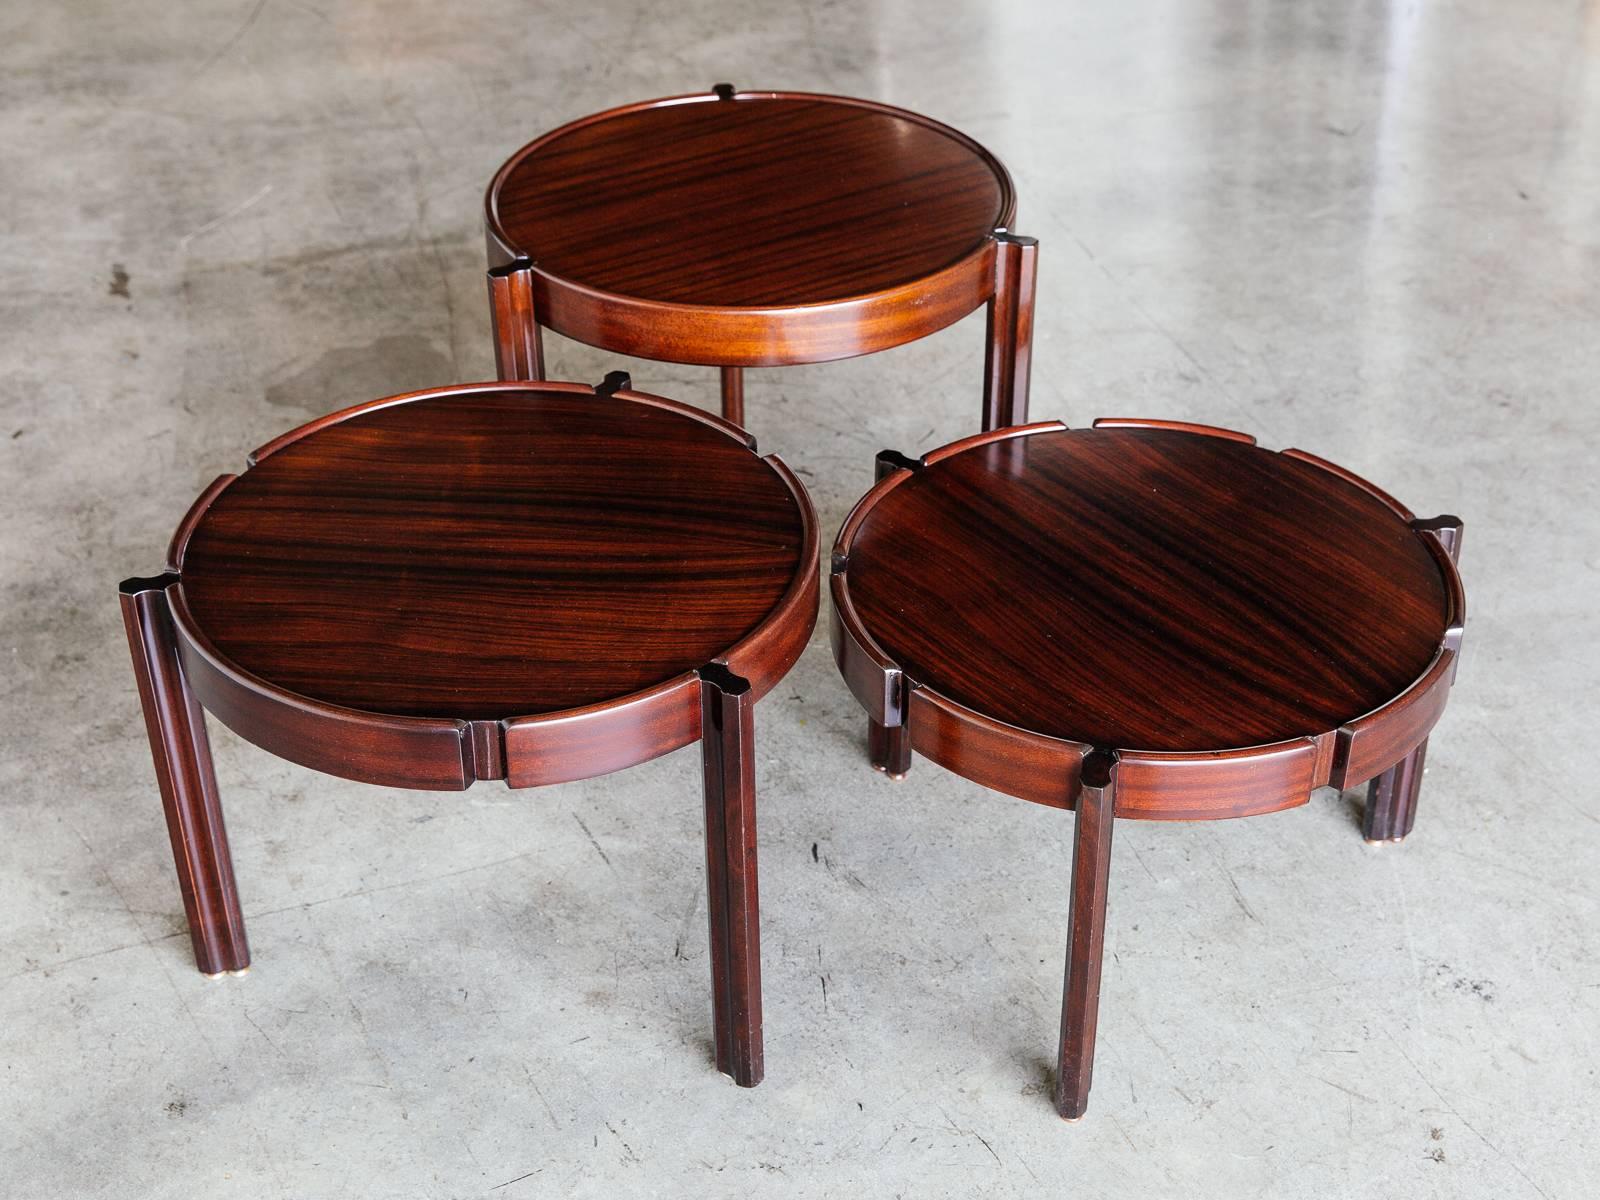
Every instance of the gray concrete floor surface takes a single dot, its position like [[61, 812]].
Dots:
[[1368, 229]]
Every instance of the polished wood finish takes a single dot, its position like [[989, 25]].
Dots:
[[1392, 796], [1015, 761], [889, 748], [435, 753], [747, 229], [1008, 346], [491, 553], [757, 201], [1392, 799], [1266, 598], [1179, 426], [733, 394], [1217, 628], [1086, 933], [188, 784], [1350, 477], [535, 582], [728, 752], [518, 341]]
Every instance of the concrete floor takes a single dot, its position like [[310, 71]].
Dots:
[[1366, 229]]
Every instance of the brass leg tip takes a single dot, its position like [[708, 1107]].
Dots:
[[879, 767], [899, 777], [1071, 1120], [240, 973], [217, 975]]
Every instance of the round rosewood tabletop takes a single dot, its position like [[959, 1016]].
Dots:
[[1149, 589], [493, 551], [748, 200]]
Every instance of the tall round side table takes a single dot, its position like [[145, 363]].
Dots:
[[758, 229], [1148, 620], [529, 582]]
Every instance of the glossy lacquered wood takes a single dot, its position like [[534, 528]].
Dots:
[[492, 553], [1170, 594], [1392, 795], [1086, 933], [728, 741], [535, 583], [761, 200], [1145, 619], [756, 229], [182, 754]]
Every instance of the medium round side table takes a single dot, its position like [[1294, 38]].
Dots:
[[529, 582], [758, 229], [1145, 619]]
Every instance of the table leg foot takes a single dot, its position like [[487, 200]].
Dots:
[[727, 741], [182, 755], [889, 749], [1392, 799], [1091, 862]]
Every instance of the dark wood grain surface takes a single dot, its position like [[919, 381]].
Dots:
[[1148, 589], [762, 200], [487, 555]]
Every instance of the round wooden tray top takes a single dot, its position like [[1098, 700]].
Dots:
[[748, 200], [479, 554], [1175, 594]]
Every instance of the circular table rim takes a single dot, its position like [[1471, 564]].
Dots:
[[1152, 784], [623, 323], [534, 749]]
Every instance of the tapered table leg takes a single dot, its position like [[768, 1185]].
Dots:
[[182, 754], [727, 742], [733, 395], [1008, 349], [1091, 864]]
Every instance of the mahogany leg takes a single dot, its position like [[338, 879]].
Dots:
[[518, 340], [1392, 799], [177, 728], [889, 749], [1008, 351], [733, 395], [1091, 863], [727, 741]]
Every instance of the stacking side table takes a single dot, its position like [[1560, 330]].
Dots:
[[758, 229], [1148, 620], [534, 583]]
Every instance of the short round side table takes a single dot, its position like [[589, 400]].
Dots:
[[529, 582], [1145, 619], [758, 229]]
